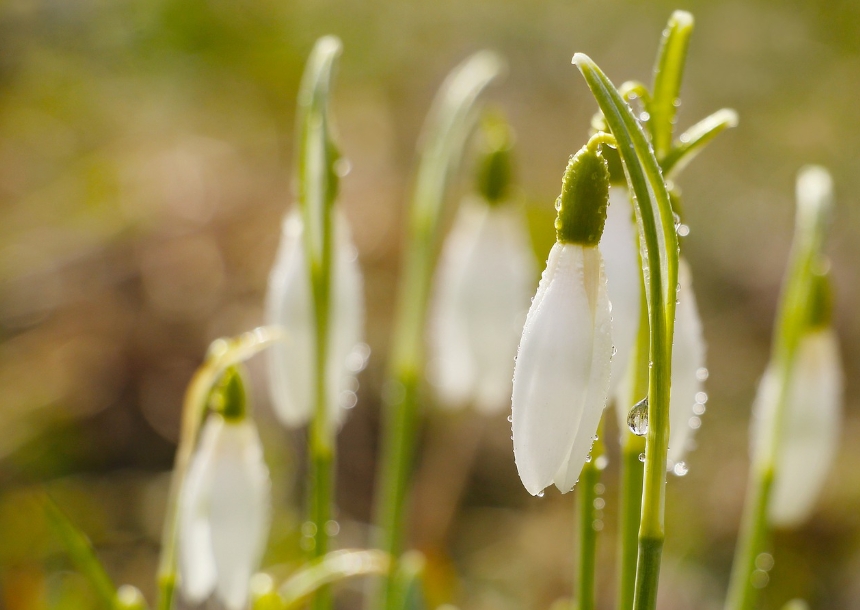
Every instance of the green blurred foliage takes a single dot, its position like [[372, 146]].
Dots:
[[145, 154]]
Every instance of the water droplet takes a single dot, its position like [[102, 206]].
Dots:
[[698, 409], [644, 117], [510, 419], [641, 457], [601, 462], [677, 102], [695, 423], [599, 488], [701, 398], [684, 138], [614, 350], [342, 167], [680, 469], [540, 494], [637, 418], [599, 503], [702, 374], [348, 399], [332, 528], [759, 579], [588, 459], [764, 562], [683, 230], [357, 358], [594, 438], [309, 528], [597, 525]]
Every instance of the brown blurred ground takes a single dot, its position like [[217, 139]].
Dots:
[[145, 152]]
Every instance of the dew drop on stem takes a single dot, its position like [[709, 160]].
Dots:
[[637, 418]]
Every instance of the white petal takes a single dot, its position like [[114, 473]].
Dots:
[[347, 352], [688, 356], [288, 303], [553, 368], [810, 430], [197, 565], [239, 511], [481, 299], [598, 384], [623, 276]]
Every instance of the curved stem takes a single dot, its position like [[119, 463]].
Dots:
[[660, 272]]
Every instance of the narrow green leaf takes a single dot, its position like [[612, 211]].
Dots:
[[81, 552], [316, 154], [694, 140], [667, 79]]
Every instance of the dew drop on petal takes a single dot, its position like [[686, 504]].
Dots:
[[637, 418], [540, 494], [641, 457]]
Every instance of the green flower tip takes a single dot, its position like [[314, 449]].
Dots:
[[584, 196], [495, 169], [229, 397], [820, 298]]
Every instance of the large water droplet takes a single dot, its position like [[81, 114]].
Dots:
[[540, 494], [637, 418], [680, 469]]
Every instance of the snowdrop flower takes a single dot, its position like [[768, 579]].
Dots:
[[289, 303], [561, 376], [483, 284], [809, 430], [624, 283], [687, 398], [623, 274], [224, 506]]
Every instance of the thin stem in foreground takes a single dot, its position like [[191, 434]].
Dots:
[[590, 522]]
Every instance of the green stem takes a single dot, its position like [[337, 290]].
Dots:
[[590, 523], [660, 272], [815, 200], [444, 139], [630, 508], [753, 540], [632, 468], [317, 188]]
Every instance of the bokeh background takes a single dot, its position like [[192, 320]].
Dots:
[[145, 155]]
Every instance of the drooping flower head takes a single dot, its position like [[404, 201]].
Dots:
[[482, 289], [561, 377], [225, 503]]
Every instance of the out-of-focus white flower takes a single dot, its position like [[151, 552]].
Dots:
[[289, 303], [482, 290], [810, 423], [224, 513], [561, 378]]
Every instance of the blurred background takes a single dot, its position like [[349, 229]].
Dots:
[[145, 156]]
